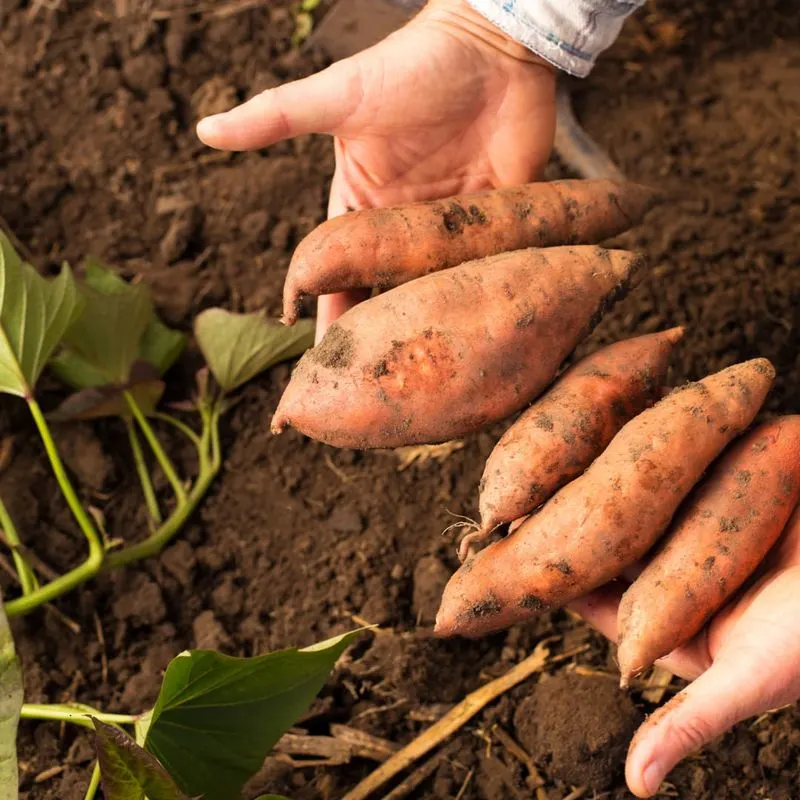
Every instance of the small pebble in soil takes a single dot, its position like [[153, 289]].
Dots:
[[579, 727], [182, 229], [346, 520], [209, 633], [83, 452], [180, 562], [140, 602], [144, 72]]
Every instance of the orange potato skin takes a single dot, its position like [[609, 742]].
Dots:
[[608, 518], [450, 353], [720, 537], [557, 438], [386, 247]]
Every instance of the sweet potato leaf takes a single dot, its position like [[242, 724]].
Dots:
[[217, 717], [141, 727], [35, 314], [103, 344], [118, 328], [10, 707], [108, 401], [160, 345], [239, 346], [128, 771]]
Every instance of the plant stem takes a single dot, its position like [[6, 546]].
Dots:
[[75, 713], [210, 463], [144, 474], [27, 577], [213, 424], [94, 783], [78, 511], [90, 567], [158, 451], [181, 426]]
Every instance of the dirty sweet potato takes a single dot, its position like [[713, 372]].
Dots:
[[450, 353], [609, 517], [385, 247], [720, 536], [557, 438]]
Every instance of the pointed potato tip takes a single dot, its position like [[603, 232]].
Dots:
[[674, 335], [292, 303], [443, 627], [764, 367], [279, 424], [627, 670], [628, 267], [289, 315]]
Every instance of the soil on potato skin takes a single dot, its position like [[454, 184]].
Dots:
[[97, 155]]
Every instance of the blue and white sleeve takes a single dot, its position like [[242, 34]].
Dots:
[[570, 34]]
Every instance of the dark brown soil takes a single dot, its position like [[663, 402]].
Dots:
[[97, 155], [579, 727]]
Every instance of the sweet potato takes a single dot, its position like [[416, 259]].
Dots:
[[608, 518], [720, 536], [449, 353], [557, 438], [386, 247]]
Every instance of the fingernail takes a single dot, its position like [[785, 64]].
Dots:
[[652, 777], [206, 127]]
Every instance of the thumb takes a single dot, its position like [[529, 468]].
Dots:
[[320, 103], [734, 688]]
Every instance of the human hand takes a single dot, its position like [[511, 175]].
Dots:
[[745, 661], [448, 104]]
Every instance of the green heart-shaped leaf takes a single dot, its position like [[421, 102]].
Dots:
[[160, 345], [118, 328], [10, 707], [35, 313], [218, 717], [239, 346], [128, 771], [105, 339]]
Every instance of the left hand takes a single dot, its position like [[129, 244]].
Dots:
[[448, 104], [744, 662]]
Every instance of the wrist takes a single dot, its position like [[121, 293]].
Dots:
[[460, 16]]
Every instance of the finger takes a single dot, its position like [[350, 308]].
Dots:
[[318, 104], [733, 689], [599, 609], [331, 306]]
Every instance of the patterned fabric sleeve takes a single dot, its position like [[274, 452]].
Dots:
[[568, 33]]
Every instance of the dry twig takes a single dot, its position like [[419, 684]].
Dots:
[[463, 790], [420, 774], [457, 717], [657, 684], [535, 779]]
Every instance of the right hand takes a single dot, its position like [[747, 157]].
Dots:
[[745, 662], [448, 104]]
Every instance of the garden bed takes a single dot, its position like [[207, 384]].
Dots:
[[298, 541]]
